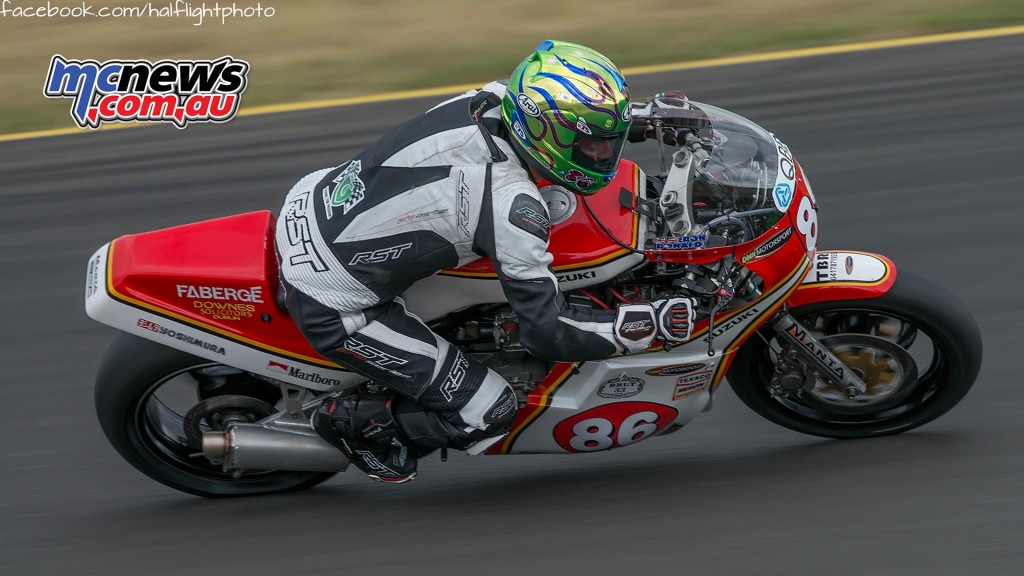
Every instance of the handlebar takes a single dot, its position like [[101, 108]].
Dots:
[[674, 126]]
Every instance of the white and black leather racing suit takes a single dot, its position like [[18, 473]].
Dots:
[[438, 192]]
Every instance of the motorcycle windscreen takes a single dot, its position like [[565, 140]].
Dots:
[[747, 184]]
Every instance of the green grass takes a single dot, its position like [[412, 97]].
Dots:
[[322, 49]]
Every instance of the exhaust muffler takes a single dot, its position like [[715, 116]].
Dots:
[[254, 447]]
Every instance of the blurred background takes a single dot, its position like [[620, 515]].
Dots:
[[914, 153], [303, 50]]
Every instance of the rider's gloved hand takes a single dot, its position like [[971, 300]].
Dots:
[[637, 325], [675, 318]]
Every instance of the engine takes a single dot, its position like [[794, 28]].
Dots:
[[490, 332]]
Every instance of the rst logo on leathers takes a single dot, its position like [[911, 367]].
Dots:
[[456, 375], [377, 358], [463, 221], [502, 409], [368, 353], [300, 236], [528, 214], [381, 255]]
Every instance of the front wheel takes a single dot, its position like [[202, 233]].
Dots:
[[144, 394], [917, 347]]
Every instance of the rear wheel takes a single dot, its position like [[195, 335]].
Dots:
[[150, 399], [916, 347]]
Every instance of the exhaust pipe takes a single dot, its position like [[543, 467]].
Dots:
[[253, 447]]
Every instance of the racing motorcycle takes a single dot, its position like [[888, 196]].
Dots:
[[210, 387]]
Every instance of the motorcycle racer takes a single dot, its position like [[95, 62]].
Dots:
[[452, 185]]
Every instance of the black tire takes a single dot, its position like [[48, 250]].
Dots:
[[149, 435], [936, 319]]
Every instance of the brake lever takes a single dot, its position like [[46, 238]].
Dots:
[[723, 297]]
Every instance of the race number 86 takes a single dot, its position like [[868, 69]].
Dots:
[[612, 426]]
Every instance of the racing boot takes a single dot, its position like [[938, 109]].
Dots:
[[363, 427], [428, 429]]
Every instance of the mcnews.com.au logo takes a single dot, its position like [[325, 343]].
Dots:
[[177, 91]]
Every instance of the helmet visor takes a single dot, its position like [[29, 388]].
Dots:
[[598, 153]]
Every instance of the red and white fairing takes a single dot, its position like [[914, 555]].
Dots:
[[210, 289], [623, 400]]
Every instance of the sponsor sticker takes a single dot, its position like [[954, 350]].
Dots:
[[691, 383], [347, 192], [733, 322], [680, 242], [770, 246], [674, 369], [92, 281], [621, 387], [221, 303], [224, 310], [295, 372], [179, 92], [517, 127], [252, 294], [786, 179], [783, 195], [846, 267], [581, 126], [180, 336], [575, 276], [815, 349], [528, 106]]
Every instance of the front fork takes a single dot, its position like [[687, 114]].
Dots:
[[824, 363]]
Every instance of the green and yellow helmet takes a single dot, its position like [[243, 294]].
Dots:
[[567, 109]]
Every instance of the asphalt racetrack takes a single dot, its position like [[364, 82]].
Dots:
[[914, 152]]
